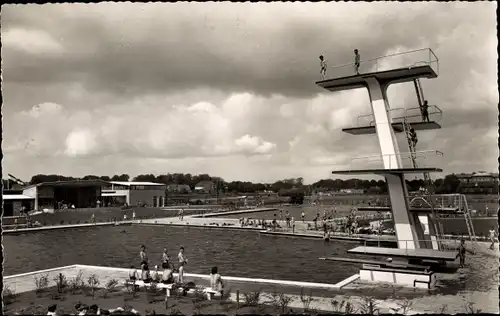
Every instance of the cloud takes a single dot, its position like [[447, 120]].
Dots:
[[229, 88]]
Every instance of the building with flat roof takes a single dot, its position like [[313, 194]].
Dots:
[[478, 182], [134, 193], [52, 195], [14, 203]]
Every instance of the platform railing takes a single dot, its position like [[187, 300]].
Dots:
[[413, 115], [414, 58], [424, 158]]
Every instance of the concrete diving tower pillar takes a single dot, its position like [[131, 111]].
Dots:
[[409, 230], [405, 224]]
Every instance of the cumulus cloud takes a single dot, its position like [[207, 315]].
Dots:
[[229, 88]]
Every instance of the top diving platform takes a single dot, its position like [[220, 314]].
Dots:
[[394, 68]]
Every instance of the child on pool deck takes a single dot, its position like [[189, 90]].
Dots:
[[216, 282]]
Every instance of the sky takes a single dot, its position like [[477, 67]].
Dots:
[[229, 89]]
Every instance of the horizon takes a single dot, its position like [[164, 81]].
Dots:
[[230, 89]]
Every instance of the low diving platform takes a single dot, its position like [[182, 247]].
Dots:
[[445, 210], [387, 171], [422, 254], [398, 128]]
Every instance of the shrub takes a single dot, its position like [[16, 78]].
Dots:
[[41, 283], [77, 283], [470, 309], [93, 282], [61, 282], [404, 307], [8, 295], [306, 300], [252, 298], [61, 222], [369, 307], [342, 307], [78, 221], [279, 301]]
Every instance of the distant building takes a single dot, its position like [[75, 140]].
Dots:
[[204, 187], [53, 195], [14, 202], [478, 182], [178, 188], [135, 193]]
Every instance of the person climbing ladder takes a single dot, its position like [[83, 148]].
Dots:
[[413, 137]]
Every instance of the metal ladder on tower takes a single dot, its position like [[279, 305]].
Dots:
[[429, 187], [464, 206]]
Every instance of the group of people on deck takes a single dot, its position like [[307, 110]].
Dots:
[[167, 276]]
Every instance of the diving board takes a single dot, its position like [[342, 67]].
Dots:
[[429, 254], [411, 209], [397, 75], [397, 127], [382, 172]]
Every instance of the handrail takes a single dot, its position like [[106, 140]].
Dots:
[[385, 56], [397, 160], [437, 112], [401, 153], [370, 115]]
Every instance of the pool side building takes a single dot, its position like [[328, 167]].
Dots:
[[135, 193]]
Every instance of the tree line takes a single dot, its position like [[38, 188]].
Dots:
[[448, 184]]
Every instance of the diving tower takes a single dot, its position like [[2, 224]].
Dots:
[[417, 230], [376, 75]]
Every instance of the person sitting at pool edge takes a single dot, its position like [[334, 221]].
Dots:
[[132, 274], [168, 275], [156, 275], [216, 282], [145, 275]]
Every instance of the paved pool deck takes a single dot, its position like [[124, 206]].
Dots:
[[422, 301]]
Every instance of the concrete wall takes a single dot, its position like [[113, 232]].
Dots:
[[145, 196], [32, 192], [426, 281]]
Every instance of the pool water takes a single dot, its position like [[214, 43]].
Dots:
[[236, 253]]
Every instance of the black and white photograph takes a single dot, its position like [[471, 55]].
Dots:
[[265, 158]]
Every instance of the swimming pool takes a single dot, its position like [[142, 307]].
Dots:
[[236, 253]]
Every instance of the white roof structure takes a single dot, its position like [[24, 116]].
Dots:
[[16, 197], [136, 183]]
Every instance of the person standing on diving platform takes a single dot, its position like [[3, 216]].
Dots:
[[323, 66], [357, 61]]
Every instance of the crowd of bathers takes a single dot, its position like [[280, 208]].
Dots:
[[168, 268]]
